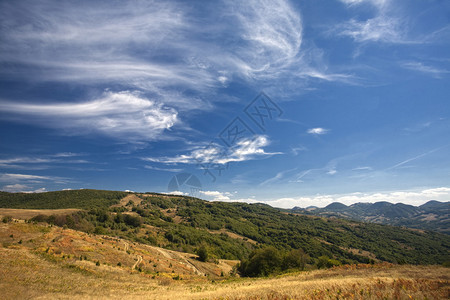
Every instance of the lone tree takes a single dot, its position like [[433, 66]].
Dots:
[[295, 259], [202, 253], [261, 262]]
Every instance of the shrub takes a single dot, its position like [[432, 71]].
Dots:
[[295, 259], [132, 221], [7, 219], [39, 219], [202, 253], [262, 262], [326, 262]]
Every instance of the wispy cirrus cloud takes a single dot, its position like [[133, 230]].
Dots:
[[42, 162], [385, 26], [273, 29], [22, 188], [158, 49], [365, 168], [18, 177], [173, 170], [406, 161], [123, 44], [27, 183], [246, 149], [277, 177], [378, 3], [423, 68], [125, 115]]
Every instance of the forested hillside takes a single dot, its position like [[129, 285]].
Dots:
[[233, 230]]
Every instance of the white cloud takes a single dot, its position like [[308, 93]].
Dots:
[[122, 44], [296, 150], [21, 188], [377, 3], [412, 197], [17, 177], [365, 168], [245, 149], [277, 177], [124, 115], [178, 193], [332, 172], [273, 30], [27, 183], [163, 169], [380, 28], [40, 162], [317, 130], [216, 195], [420, 67], [414, 158], [24, 160], [385, 26], [226, 197], [66, 154]]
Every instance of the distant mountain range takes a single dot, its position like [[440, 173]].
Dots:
[[433, 215]]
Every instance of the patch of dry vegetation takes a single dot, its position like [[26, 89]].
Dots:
[[132, 198], [25, 214], [50, 262]]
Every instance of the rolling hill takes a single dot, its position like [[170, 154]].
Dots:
[[231, 230], [50, 262]]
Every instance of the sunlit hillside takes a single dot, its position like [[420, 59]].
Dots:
[[42, 261]]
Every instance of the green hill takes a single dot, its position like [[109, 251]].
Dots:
[[84, 199], [233, 230]]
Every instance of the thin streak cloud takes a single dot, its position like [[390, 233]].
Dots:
[[125, 115]]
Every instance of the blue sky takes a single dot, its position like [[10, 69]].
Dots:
[[289, 103]]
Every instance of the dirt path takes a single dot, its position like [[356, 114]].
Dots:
[[165, 253], [139, 258], [192, 266], [137, 263]]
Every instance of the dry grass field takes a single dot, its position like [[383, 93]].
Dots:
[[38, 261], [25, 214]]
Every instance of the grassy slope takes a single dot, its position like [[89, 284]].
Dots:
[[183, 223], [29, 271]]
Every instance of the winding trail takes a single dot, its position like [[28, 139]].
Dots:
[[137, 263], [139, 258]]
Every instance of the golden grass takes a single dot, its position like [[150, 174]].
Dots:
[[26, 214], [124, 201], [46, 265]]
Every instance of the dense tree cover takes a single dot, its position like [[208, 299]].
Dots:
[[266, 261], [84, 199], [185, 224]]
